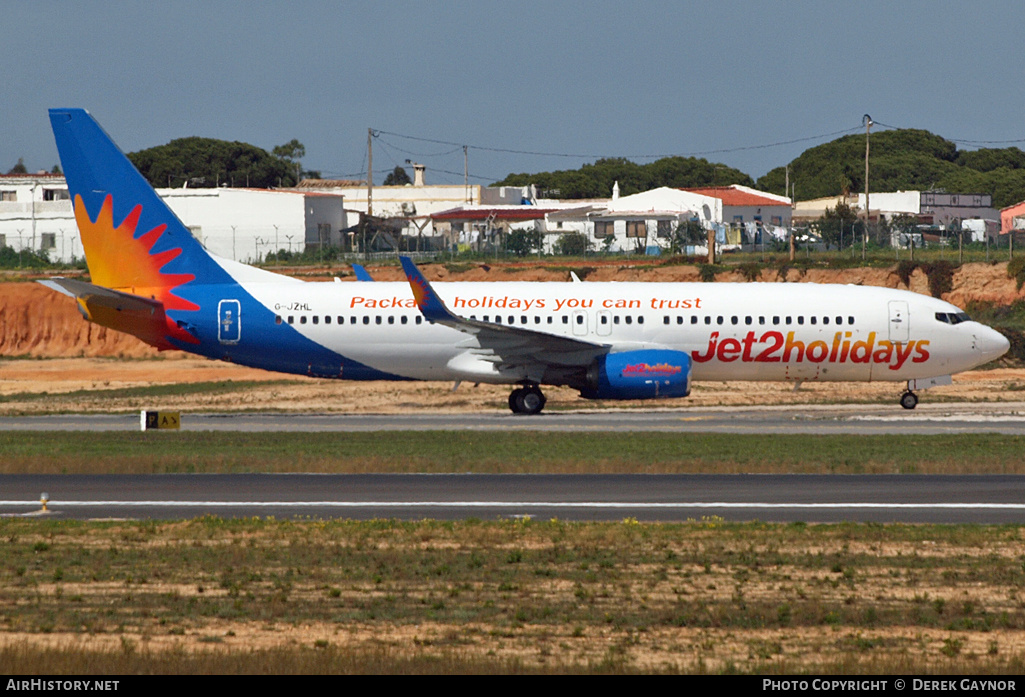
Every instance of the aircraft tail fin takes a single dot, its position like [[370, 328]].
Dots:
[[133, 242]]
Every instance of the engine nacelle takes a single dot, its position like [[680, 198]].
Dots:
[[644, 374]]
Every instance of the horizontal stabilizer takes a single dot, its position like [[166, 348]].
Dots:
[[141, 317]]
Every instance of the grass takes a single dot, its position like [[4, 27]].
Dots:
[[263, 595], [150, 391], [490, 452]]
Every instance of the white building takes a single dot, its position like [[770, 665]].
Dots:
[[241, 224], [646, 220], [247, 224], [416, 203], [936, 209], [35, 214]]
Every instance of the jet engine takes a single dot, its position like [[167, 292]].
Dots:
[[643, 374]]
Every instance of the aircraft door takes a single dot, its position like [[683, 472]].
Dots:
[[603, 326], [900, 322], [580, 322], [229, 321]]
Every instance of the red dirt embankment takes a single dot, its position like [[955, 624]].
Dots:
[[38, 322]]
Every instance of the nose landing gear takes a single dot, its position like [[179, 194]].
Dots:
[[527, 400]]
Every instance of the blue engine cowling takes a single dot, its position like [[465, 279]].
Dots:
[[645, 374]]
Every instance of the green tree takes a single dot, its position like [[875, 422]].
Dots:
[[840, 226], [397, 177], [524, 242], [207, 162], [689, 232], [905, 225], [293, 152], [596, 180], [18, 168], [572, 244]]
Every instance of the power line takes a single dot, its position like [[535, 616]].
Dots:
[[607, 155], [965, 141]]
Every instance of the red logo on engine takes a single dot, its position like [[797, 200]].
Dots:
[[644, 369]]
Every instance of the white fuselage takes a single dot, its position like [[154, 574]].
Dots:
[[732, 331]]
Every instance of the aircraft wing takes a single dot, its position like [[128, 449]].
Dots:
[[505, 345], [125, 312]]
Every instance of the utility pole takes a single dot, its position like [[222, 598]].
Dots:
[[864, 235], [466, 175], [370, 172], [370, 188]]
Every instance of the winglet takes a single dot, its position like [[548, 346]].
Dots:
[[426, 299], [361, 273]]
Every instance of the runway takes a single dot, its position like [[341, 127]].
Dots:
[[669, 498], [927, 419]]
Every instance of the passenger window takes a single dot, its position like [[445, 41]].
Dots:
[[615, 320], [788, 320], [640, 320], [391, 319], [302, 319], [761, 320], [366, 319], [565, 319], [550, 319], [665, 320], [498, 319], [291, 319], [775, 319], [748, 320], [839, 320], [800, 319], [537, 319], [512, 320], [377, 319], [604, 319], [825, 320], [352, 320], [316, 320], [419, 319], [850, 320], [327, 319], [719, 320], [523, 319], [693, 319], [708, 319], [629, 319], [277, 319], [404, 319], [733, 319]]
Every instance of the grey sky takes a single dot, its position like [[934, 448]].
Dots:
[[586, 78]]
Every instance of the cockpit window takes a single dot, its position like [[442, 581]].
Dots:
[[952, 317]]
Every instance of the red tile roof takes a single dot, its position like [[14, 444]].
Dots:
[[735, 197]]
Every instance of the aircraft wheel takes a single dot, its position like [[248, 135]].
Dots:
[[527, 400], [909, 400], [515, 399]]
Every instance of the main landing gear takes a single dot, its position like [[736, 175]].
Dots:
[[527, 400], [909, 400]]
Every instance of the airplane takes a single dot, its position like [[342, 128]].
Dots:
[[611, 341], [361, 273]]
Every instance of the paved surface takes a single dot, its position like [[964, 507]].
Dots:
[[1008, 418], [811, 498]]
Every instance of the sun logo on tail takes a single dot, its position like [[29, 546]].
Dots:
[[119, 259]]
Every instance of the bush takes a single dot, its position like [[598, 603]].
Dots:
[[1016, 270], [941, 277]]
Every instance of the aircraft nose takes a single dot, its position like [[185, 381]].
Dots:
[[991, 344]]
